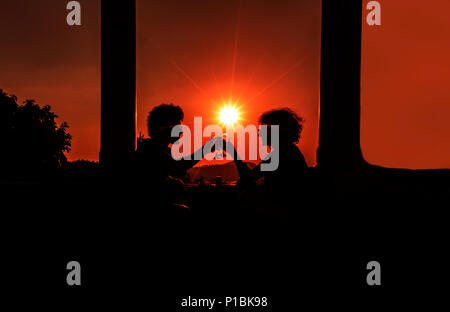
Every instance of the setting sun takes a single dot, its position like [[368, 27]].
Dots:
[[229, 115]]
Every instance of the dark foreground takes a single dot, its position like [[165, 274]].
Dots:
[[134, 252]]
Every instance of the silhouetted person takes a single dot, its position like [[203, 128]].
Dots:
[[154, 163], [278, 189]]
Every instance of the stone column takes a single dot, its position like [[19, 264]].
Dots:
[[118, 82], [340, 86]]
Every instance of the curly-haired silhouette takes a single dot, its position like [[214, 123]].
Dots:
[[277, 186], [291, 124], [291, 127]]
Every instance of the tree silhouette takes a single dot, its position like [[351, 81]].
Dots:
[[31, 139]]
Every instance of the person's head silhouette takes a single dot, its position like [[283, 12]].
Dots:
[[290, 124], [161, 120]]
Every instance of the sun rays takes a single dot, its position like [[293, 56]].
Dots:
[[229, 111], [229, 115]]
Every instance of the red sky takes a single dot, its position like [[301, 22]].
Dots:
[[186, 52], [42, 58]]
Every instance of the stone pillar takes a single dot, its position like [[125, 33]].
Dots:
[[340, 86], [118, 82]]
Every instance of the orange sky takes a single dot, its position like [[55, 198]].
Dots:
[[405, 84], [186, 52]]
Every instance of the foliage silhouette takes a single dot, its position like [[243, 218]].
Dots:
[[32, 141]]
